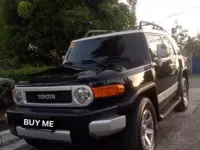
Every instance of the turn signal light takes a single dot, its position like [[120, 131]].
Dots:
[[108, 91]]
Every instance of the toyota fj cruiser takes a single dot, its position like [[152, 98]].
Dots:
[[114, 85]]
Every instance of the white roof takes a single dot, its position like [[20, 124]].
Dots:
[[124, 32]]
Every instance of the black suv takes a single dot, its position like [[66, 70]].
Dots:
[[113, 86]]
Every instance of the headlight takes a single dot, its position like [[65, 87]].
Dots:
[[18, 96], [83, 96]]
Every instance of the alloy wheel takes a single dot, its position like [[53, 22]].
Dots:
[[185, 96], [147, 130]]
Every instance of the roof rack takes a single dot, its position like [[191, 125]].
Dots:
[[146, 23], [141, 25], [97, 32]]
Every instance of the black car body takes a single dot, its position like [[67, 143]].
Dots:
[[102, 81]]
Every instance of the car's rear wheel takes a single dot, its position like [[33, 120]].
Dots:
[[184, 95], [140, 131]]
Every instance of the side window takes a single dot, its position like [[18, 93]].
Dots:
[[168, 43], [176, 48], [153, 40]]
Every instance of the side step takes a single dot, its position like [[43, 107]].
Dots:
[[169, 107]]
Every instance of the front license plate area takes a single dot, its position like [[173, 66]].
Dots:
[[36, 123]]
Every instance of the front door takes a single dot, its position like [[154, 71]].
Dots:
[[166, 73], [173, 62]]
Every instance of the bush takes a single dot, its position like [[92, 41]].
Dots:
[[7, 80], [20, 74], [6, 86]]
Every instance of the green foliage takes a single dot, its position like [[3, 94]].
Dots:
[[180, 35], [38, 32], [25, 9], [4, 30], [20, 74], [192, 45], [8, 79], [186, 43], [6, 86]]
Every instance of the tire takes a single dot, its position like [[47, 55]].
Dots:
[[184, 94], [40, 144], [132, 137]]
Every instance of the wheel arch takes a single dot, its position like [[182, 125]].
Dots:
[[148, 91], [151, 93]]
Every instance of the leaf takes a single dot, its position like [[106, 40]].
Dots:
[[50, 25], [25, 9]]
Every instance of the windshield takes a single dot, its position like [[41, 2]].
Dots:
[[131, 46]]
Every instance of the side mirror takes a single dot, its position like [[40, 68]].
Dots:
[[162, 51]]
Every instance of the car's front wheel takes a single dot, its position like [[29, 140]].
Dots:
[[140, 131]]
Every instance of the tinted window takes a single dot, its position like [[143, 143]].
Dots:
[[167, 42], [175, 46], [128, 45], [153, 41]]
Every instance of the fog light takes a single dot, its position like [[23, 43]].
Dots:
[[83, 96]]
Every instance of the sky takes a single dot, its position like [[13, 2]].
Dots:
[[156, 10]]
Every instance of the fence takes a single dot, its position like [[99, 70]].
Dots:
[[195, 65]]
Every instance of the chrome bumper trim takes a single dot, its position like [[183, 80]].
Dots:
[[107, 127], [58, 135]]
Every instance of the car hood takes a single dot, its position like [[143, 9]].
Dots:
[[70, 75]]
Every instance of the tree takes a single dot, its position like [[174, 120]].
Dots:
[[132, 3], [5, 34], [180, 35], [193, 45], [187, 44], [41, 30]]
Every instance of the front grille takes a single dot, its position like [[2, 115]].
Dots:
[[49, 97]]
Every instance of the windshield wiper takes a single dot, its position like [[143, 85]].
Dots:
[[68, 63], [100, 60], [117, 59], [94, 60], [105, 60]]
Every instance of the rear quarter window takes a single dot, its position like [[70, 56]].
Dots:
[[153, 41], [175, 45]]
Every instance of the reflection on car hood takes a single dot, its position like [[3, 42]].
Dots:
[[67, 74]]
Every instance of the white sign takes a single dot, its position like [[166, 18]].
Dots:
[[38, 123]]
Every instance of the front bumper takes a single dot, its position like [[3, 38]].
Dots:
[[71, 125], [39, 134]]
